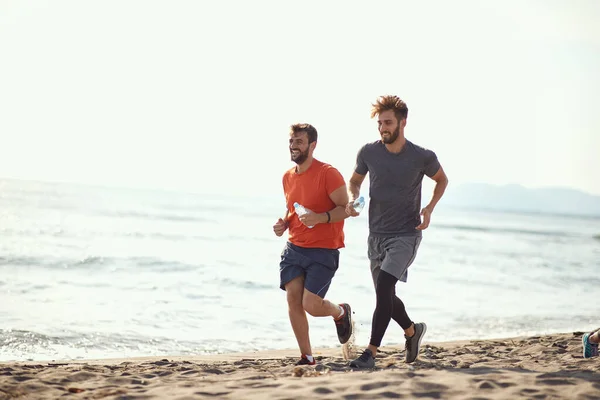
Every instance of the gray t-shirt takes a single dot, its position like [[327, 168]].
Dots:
[[395, 186]]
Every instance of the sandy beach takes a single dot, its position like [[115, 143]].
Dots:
[[540, 367]]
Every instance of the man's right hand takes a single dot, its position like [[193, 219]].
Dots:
[[279, 227], [350, 209]]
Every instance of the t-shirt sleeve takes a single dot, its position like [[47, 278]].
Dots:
[[432, 165], [333, 180], [361, 166]]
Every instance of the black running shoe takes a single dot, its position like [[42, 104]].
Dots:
[[365, 360], [344, 324], [304, 361]]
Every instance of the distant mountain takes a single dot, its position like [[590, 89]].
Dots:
[[519, 198]]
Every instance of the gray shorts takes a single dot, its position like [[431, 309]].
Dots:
[[393, 255]]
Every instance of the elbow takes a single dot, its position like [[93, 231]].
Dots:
[[443, 181]]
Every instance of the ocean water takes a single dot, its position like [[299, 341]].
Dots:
[[90, 272]]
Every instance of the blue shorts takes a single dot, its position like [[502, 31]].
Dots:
[[317, 265]]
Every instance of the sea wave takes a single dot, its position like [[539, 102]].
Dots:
[[155, 216], [518, 231], [29, 345], [248, 285], [167, 236], [146, 263], [66, 234], [200, 207], [55, 232]]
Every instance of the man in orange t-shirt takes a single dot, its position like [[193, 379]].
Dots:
[[311, 254]]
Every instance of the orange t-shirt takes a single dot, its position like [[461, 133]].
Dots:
[[311, 189]]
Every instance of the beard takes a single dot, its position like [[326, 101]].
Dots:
[[392, 138], [301, 157]]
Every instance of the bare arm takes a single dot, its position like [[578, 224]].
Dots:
[[441, 182], [340, 197], [354, 186]]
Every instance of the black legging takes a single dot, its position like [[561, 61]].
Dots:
[[388, 306]]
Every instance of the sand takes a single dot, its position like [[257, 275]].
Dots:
[[542, 367]]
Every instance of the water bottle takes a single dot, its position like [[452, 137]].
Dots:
[[300, 210], [359, 204]]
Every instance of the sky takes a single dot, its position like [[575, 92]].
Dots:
[[194, 95]]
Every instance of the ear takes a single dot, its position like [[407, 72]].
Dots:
[[403, 123], [312, 146]]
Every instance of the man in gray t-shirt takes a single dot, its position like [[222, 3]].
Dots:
[[396, 167], [395, 186]]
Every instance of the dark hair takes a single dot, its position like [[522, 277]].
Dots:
[[390, 102], [310, 130]]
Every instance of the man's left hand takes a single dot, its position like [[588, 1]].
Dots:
[[426, 214]]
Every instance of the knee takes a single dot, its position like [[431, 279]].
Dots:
[[312, 303], [382, 297], [294, 300], [385, 288]]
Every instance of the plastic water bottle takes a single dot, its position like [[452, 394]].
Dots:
[[359, 204], [300, 210]]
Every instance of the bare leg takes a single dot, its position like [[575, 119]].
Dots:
[[319, 307], [595, 337], [298, 320]]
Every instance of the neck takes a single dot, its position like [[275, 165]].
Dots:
[[300, 168], [397, 146]]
